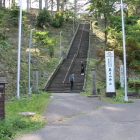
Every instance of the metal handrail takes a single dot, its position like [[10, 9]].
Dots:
[[72, 62], [70, 67]]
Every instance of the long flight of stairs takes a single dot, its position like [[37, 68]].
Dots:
[[80, 47]]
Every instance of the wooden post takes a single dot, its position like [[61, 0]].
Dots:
[[3, 81]]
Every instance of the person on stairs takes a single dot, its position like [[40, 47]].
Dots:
[[71, 80], [82, 68]]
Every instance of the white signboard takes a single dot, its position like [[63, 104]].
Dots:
[[122, 75], [109, 59]]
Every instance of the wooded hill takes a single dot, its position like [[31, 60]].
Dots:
[[46, 39]]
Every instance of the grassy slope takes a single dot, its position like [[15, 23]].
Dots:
[[44, 64], [97, 44]]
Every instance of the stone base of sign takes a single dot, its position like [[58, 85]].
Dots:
[[91, 96], [110, 94]]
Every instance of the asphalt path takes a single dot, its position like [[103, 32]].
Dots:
[[75, 117]]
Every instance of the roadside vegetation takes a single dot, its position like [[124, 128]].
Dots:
[[45, 55], [15, 124], [107, 35]]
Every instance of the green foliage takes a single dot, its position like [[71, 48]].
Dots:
[[3, 34], [131, 20], [135, 84], [61, 17], [46, 42], [132, 30], [15, 124], [115, 23], [3, 43], [58, 19], [96, 23], [43, 18], [5, 130], [1, 16], [14, 15], [117, 84], [14, 12]]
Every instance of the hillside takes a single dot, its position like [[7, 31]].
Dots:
[[41, 61]]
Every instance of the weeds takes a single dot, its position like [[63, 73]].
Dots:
[[15, 124]]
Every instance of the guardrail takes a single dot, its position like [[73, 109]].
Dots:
[[88, 54], [71, 42], [69, 69], [72, 62], [59, 64], [52, 75]]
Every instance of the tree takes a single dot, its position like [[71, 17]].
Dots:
[[46, 4], [133, 7], [58, 3], [43, 18], [0, 4], [28, 1], [102, 7], [40, 4]]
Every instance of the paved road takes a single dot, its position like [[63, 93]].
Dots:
[[74, 117]]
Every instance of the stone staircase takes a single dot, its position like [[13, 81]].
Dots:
[[77, 53]]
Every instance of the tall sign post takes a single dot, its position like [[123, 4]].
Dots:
[[29, 62], [110, 82], [60, 43], [124, 52], [19, 49], [122, 75]]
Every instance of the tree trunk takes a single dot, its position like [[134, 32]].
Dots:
[[51, 6], [4, 3], [63, 4], [105, 27], [58, 3], [75, 6], [40, 4], [0, 4], [46, 4], [28, 5]]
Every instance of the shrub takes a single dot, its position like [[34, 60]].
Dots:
[[96, 23], [3, 35], [18, 123], [117, 84], [44, 18], [134, 85], [58, 19], [5, 130], [14, 15], [3, 43], [1, 16]]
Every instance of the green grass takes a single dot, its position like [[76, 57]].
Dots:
[[15, 124]]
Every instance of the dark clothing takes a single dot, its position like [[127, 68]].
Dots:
[[71, 79], [82, 68], [71, 85]]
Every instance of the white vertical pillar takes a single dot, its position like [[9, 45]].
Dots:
[[19, 49], [110, 82], [124, 52], [60, 43], [29, 62], [122, 75]]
